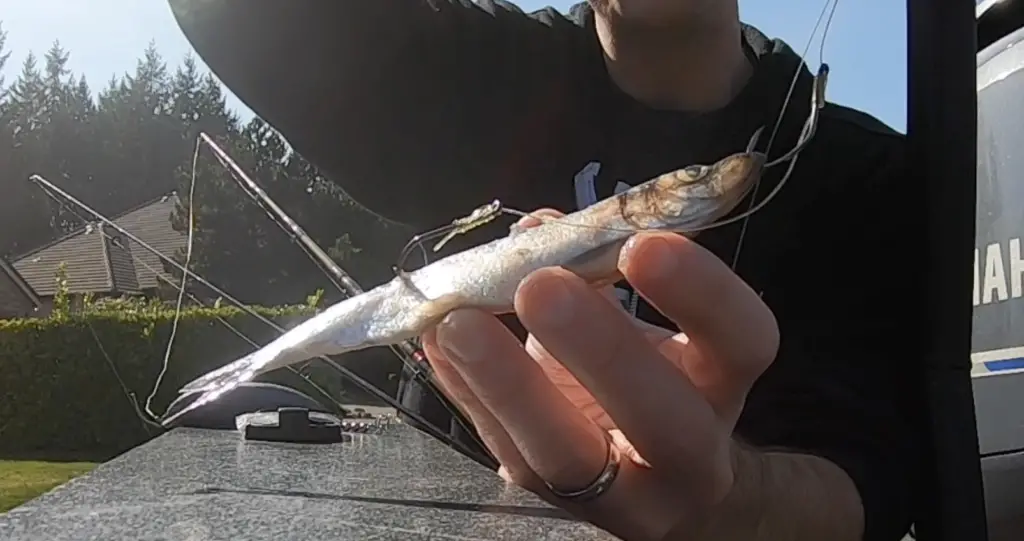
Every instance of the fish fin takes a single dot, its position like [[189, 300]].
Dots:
[[434, 311], [598, 267], [241, 372], [211, 379], [202, 400], [215, 384]]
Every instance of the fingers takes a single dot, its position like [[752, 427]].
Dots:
[[733, 331], [535, 432], [567, 383], [555, 440], [669, 343], [634, 383], [514, 467]]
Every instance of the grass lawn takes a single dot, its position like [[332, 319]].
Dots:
[[22, 480]]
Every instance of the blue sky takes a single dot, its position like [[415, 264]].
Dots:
[[866, 47]]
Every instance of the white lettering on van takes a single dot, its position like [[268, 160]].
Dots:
[[998, 278]]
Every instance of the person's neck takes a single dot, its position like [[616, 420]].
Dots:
[[696, 69]]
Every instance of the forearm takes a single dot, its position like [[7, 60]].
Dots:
[[782, 496], [384, 97]]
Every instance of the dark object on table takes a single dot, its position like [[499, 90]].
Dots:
[[246, 398], [295, 425]]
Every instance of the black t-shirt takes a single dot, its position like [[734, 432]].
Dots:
[[424, 109]]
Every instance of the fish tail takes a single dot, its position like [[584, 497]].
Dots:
[[216, 384], [216, 377], [205, 398], [373, 318]]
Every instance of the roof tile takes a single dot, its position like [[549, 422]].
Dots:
[[101, 260]]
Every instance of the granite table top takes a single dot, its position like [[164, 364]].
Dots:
[[207, 485]]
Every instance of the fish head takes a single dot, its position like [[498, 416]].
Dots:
[[695, 196], [728, 180]]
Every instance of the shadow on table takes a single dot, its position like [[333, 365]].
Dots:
[[517, 510]]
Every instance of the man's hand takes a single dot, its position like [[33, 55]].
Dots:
[[590, 376]]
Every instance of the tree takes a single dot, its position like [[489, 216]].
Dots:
[[5, 55], [67, 136], [234, 233], [142, 145], [134, 142], [24, 214]]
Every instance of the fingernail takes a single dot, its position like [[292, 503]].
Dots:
[[651, 253], [552, 299], [459, 336]]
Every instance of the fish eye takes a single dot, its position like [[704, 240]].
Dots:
[[695, 172]]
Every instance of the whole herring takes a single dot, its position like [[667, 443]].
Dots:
[[486, 277]]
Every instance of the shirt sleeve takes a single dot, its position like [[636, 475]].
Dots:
[[411, 106], [846, 385]]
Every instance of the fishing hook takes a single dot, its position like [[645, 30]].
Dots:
[[480, 216], [811, 124]]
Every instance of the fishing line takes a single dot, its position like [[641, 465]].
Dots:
[[355, 378], [806, 133], [189, 243], [146, 423], [128, 394], [487, 213], [803, 62], [234, 330], [159, 275], [828, 26]]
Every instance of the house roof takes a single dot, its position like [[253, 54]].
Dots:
[[151, 223], [16, 295], [99, 259]]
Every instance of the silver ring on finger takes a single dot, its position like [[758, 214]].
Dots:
[[600, 484]]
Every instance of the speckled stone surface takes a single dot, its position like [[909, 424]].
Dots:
[[199, 485]]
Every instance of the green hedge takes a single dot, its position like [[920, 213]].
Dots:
[[61, 398]]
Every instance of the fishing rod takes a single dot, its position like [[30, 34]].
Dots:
[[162, 278], [407, 351], [355, 378]]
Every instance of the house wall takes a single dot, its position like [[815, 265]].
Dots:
[[13, 302], [45, 307]]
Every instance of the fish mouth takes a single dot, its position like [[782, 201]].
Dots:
[[738, 173]]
